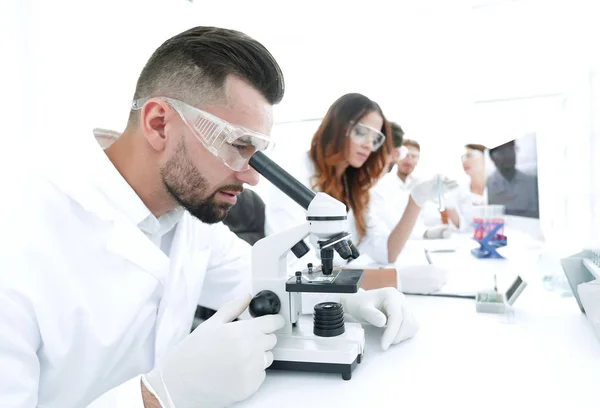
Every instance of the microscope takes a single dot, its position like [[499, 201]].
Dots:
[[325, 342]]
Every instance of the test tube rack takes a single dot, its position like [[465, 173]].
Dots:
[[490, 236]]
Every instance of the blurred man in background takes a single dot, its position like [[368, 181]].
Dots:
[[406, 165], [398, 151], [390, 196]]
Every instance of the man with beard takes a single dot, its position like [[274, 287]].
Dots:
[[111, 249], [390, 197]]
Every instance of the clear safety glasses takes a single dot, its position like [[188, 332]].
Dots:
[[471, 154], [402, 152], [232, 144], [413, 155], [361, 134]]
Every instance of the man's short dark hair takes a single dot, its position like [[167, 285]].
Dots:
[[412, 143], [193, 65], [475, 146], [397, 134]]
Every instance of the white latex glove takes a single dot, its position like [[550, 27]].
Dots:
[[438, 232], [427, 190], [380, 307], [423, 279], [219, 363]]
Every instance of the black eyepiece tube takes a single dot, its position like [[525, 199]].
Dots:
[[282, 179]]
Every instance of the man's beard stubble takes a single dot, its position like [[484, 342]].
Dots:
[[189, 188]]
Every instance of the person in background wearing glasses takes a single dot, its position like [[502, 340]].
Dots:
[[111, 250], [348, 153], [473, 163], [390, 197], [393, 200], [474, 192], [406, 165]]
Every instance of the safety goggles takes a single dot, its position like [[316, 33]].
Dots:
[[473, 154], [361, 133], [232, 144], [402, 152], [413, 155]]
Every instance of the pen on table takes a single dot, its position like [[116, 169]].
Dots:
[[428, 257]]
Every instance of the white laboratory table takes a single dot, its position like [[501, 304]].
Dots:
[[543, 354]]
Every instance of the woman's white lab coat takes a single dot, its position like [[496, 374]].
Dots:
[[87, 301], [464, 201], [282, 213]]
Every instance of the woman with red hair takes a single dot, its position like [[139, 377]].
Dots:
[[347, 156]]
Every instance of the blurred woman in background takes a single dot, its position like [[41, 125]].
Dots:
[[348, 154], [475, 192]]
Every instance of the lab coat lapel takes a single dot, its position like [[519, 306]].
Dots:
[[171, 314], [86, 187], [129, 242], [124, 238]]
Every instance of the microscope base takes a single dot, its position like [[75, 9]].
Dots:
[[344, 369], [303, 351]]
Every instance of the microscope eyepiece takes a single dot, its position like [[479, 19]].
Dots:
[[281, 179]]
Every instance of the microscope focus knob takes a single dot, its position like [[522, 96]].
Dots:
[[263, 303]]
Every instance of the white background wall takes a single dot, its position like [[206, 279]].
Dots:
[[69, 66]]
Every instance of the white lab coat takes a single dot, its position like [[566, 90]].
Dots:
[[87, 301], [465, 201], [283, 213], [389, 199]]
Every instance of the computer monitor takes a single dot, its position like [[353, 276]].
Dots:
[[512, 181]]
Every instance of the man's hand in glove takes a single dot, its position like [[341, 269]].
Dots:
[[219, 363]]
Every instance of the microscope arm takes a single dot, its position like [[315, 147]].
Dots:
[[269, 255]]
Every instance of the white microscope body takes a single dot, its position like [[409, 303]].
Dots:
[[338, 346]]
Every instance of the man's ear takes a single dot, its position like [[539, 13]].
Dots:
[[153, 118]]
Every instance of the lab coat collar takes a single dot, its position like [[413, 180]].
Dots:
[[78, 174], [404, 185], [121, 194], [90, 179]]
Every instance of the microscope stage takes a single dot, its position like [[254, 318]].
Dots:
[[340, 281], [303, 351]]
